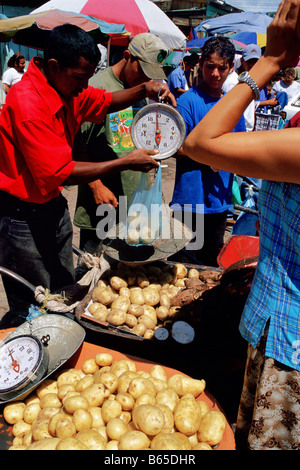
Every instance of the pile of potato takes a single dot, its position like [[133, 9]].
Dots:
[[139, 298], [110, 405]]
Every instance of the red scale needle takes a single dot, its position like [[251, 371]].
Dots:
[[157, 136]]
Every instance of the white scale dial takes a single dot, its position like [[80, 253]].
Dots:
[[20, 357], [158, 126]]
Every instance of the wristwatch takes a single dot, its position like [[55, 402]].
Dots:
[[245, 77]]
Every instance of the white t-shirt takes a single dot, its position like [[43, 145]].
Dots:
[[291, 90], [11, 76], [249, 113]]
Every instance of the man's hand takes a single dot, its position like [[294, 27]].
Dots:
[[141, 160], [157, 90], [102, 194]]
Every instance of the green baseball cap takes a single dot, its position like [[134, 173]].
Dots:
[[151, 53]]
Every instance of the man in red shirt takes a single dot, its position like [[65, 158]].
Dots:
[[38, 123]]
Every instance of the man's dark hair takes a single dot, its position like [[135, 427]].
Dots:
[[221, 45], [66, 43]]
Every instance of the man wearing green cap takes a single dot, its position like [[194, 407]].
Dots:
[[142, 61]]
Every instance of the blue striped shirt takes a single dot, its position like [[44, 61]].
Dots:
[[275, 293]]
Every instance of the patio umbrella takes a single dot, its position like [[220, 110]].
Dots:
[[198, 43], [138, 16], [236, 23], [251, 38], [32, 30]]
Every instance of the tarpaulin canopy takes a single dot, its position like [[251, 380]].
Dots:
[[247, 37], [236, 22], [138, 16], [32, 30]]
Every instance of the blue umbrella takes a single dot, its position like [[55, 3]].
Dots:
[[236, 22]]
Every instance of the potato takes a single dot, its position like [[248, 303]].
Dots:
[[164, 300], [47, 413], [116, 282], [64, 389], [167, 397], [126, 400], [134, 440], [201, 446], [136, 310], [109, 380], [104, 359], [182, 385], [145, 399], [137, 296], [48, 386], [151, 296], [168, 417], [158, 383], [31, 412], [32, 398], [116, 428], [90, 366], [68, 377], [183, 439], [93, 307], [212, 427], [180, 270], [112, 445], [50, 400], [111, 409], [116, 317], [121, 303], [124, 381], [82, 419], [20, 428], [142, 280], [13, 412], [49, 443], [162, 313], [139, 329], [187, 416], [84, 383], [95, 394], [65, 428], [131, 320], [95, 295], [119, 367], [101, 313], [149, 334], [124, 292], [27, 438], [40, 430], [147, 321], [20, 447], [105, 296], [95, 411], [74, 403], [150, 312], [91, 439], [204, 408], [148, 419], [53, 420], [70, 443], [158, 372], [165, 441], [193, 273], [140, 385]]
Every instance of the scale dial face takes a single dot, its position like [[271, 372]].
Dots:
[[158, 126], [20, 359]]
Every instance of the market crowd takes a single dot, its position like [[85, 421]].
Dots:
[[62, 124]]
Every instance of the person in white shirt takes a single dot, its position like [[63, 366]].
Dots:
[[250, 56], [287, 83], [15, 71]]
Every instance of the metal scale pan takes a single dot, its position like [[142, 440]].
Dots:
[[175, 236]]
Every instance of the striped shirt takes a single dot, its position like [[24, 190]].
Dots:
[[275, 295]]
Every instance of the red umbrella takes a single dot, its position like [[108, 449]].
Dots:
[[138, 16]]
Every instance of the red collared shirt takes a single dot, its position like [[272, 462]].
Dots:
[[37, 131]]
